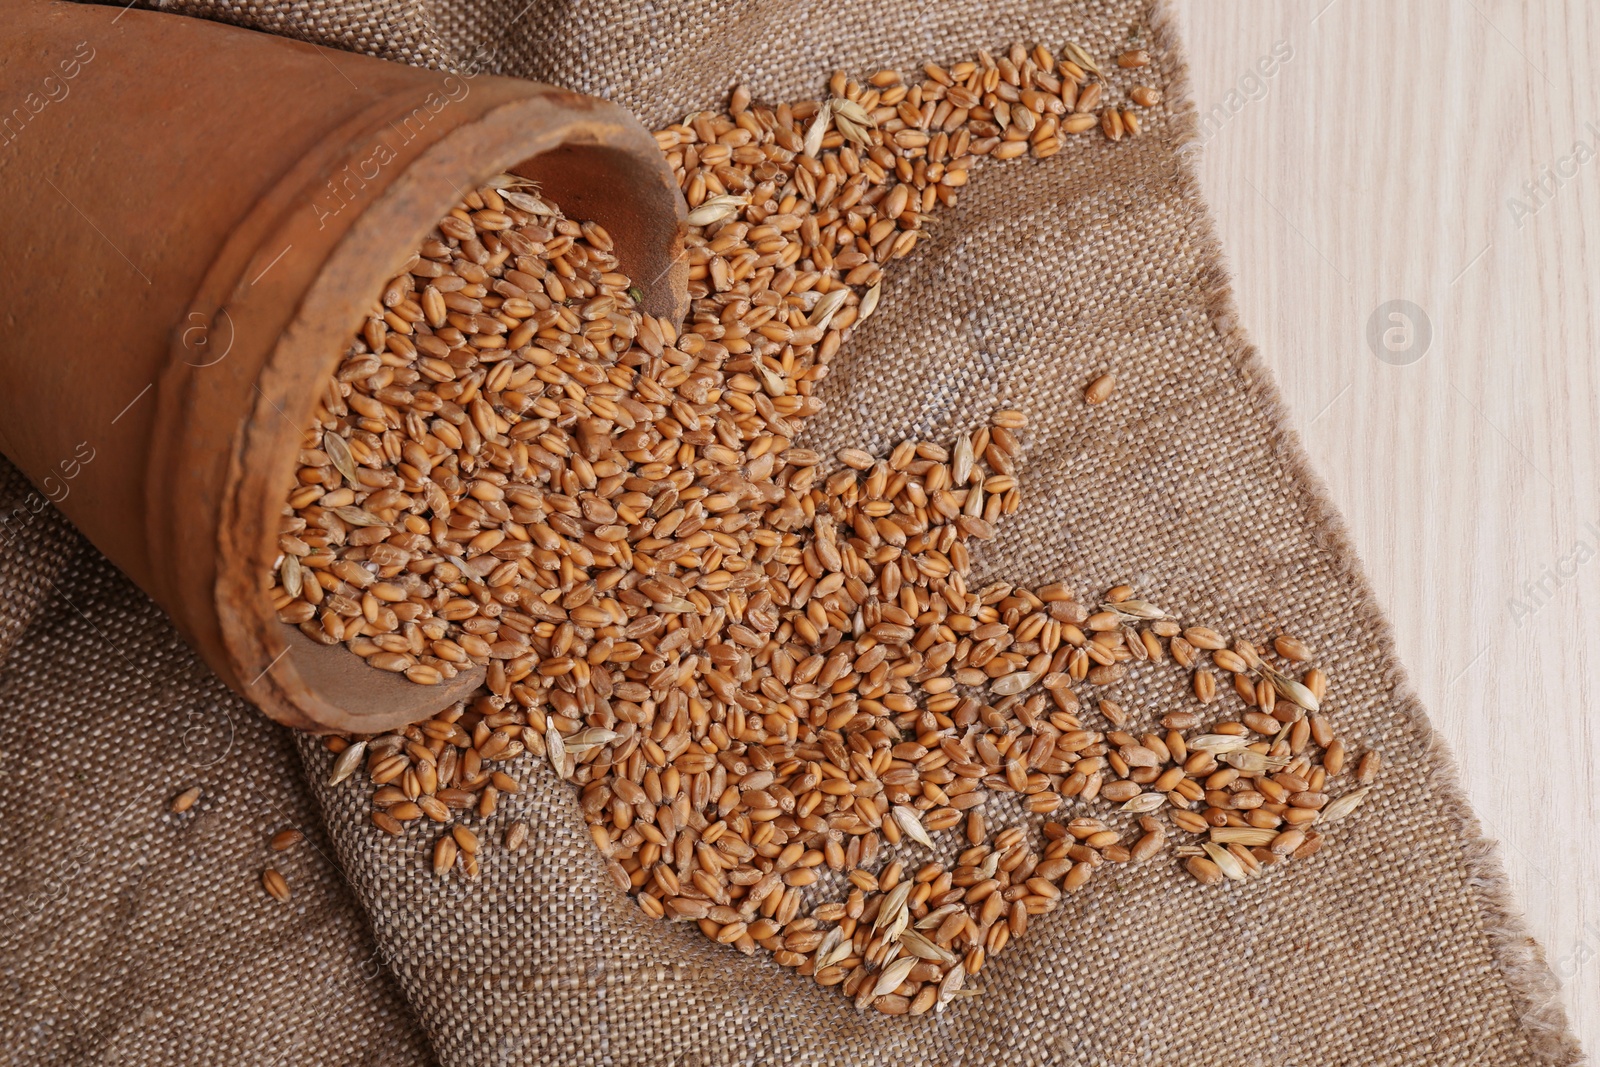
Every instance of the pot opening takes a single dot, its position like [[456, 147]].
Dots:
[[621, 189]]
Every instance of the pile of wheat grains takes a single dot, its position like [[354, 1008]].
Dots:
[[790, 718]]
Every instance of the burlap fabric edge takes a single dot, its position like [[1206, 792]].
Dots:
[[1519, 954]]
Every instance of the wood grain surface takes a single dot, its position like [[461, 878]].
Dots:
[[1356, 153]]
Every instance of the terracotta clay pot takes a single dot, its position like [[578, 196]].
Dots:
[[195, 219]]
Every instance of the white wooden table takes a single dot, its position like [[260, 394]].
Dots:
[[1446, 154]]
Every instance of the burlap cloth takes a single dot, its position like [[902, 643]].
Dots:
[[136, 936]]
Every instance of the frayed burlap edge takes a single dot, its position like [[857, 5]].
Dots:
[[1518, 954]]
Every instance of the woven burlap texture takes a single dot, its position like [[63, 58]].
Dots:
[[134, 935], [1395, 944]]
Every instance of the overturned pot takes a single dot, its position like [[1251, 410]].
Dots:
[[197, 218]]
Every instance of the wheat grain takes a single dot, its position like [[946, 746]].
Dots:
[[764, 673], [284, 840], [275, 884]]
